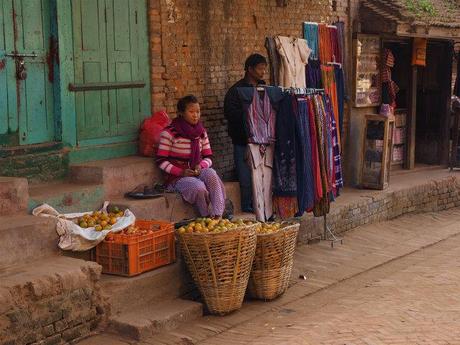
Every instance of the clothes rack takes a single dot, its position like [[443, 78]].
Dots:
[[334, 64], [329, 235]]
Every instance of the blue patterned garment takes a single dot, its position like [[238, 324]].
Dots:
[[305, 181], [284, 165]]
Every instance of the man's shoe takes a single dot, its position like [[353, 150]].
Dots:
[[247, 210]]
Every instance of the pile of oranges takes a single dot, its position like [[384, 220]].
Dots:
[[99, 220]]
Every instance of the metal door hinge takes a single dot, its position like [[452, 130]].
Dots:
[[139, 102], [135, 16], [105, 15]]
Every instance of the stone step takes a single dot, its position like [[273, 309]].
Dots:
[[56, 300], [171, 207], [119, 175], [162, 284], [27, 238], [154, 318], [14, 195], [67, 197]]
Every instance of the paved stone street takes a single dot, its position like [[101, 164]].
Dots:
[[391, 283], [414, 300]]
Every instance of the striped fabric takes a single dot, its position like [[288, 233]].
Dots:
[[261, 120], [174, 152]]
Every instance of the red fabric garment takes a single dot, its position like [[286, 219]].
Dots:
[[285, 206], [315, 154], [150, 132]]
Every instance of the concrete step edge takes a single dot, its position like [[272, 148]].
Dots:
[[142, 323]]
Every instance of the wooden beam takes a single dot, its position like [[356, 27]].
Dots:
[[410, 149]]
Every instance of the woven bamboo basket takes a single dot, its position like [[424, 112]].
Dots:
[[220, 265], [272, 265]]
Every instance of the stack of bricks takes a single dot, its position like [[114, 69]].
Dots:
[[199, 47], [57, 310], [429, 197]]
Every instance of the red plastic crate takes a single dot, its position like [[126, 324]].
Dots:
[[130, 255]]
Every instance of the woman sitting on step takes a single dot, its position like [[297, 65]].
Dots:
[[184, 154]]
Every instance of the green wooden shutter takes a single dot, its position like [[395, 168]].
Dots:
[[36, 117], [90, 53], [123, 65], [26, 106], [4, 6]]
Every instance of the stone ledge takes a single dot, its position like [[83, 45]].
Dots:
[[428, 196], [51, 301], [14, 195]]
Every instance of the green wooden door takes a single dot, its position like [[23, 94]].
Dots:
[[90, 51], [26, 108], [110, 46]]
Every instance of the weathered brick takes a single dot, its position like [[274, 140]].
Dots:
[[54, 340], [47, 331], [61, 325], [75, 332]]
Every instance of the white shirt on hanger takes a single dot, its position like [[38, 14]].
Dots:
[[294, 53]]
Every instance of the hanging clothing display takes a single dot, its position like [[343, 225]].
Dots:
[[260, 120], [328, 72], [261, 162], [285, 206], [335, 48], [325, 45], [285, 166], [274, 59], [341, 39], [294, 54], [340, 86], [293, 130], [389, 87], [305, 182], [314, 78], [340, 58], [330, 86], [318, 172], [310, 33]]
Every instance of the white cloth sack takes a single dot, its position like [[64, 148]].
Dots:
[[72, 236]]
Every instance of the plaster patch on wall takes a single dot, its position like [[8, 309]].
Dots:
[[173, 12]]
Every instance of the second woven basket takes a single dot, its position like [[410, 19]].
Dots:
[[272, 265]]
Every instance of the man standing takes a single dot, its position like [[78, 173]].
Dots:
[[254, 67]]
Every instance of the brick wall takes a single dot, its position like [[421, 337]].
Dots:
[[41, 166], [59, 309], [199, 47], [432, 196]]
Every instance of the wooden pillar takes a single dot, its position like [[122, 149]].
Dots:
[[410, 149]]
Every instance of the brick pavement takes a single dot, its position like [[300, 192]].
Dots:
[[380, 287]]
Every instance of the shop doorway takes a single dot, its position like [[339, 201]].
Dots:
[[428, 89], [401, 75], [433, 95]]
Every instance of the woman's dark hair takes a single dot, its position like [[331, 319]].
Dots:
[[184, 101], [253, 60]]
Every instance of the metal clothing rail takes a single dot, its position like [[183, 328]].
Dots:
[[329, 235], [293, 90]]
